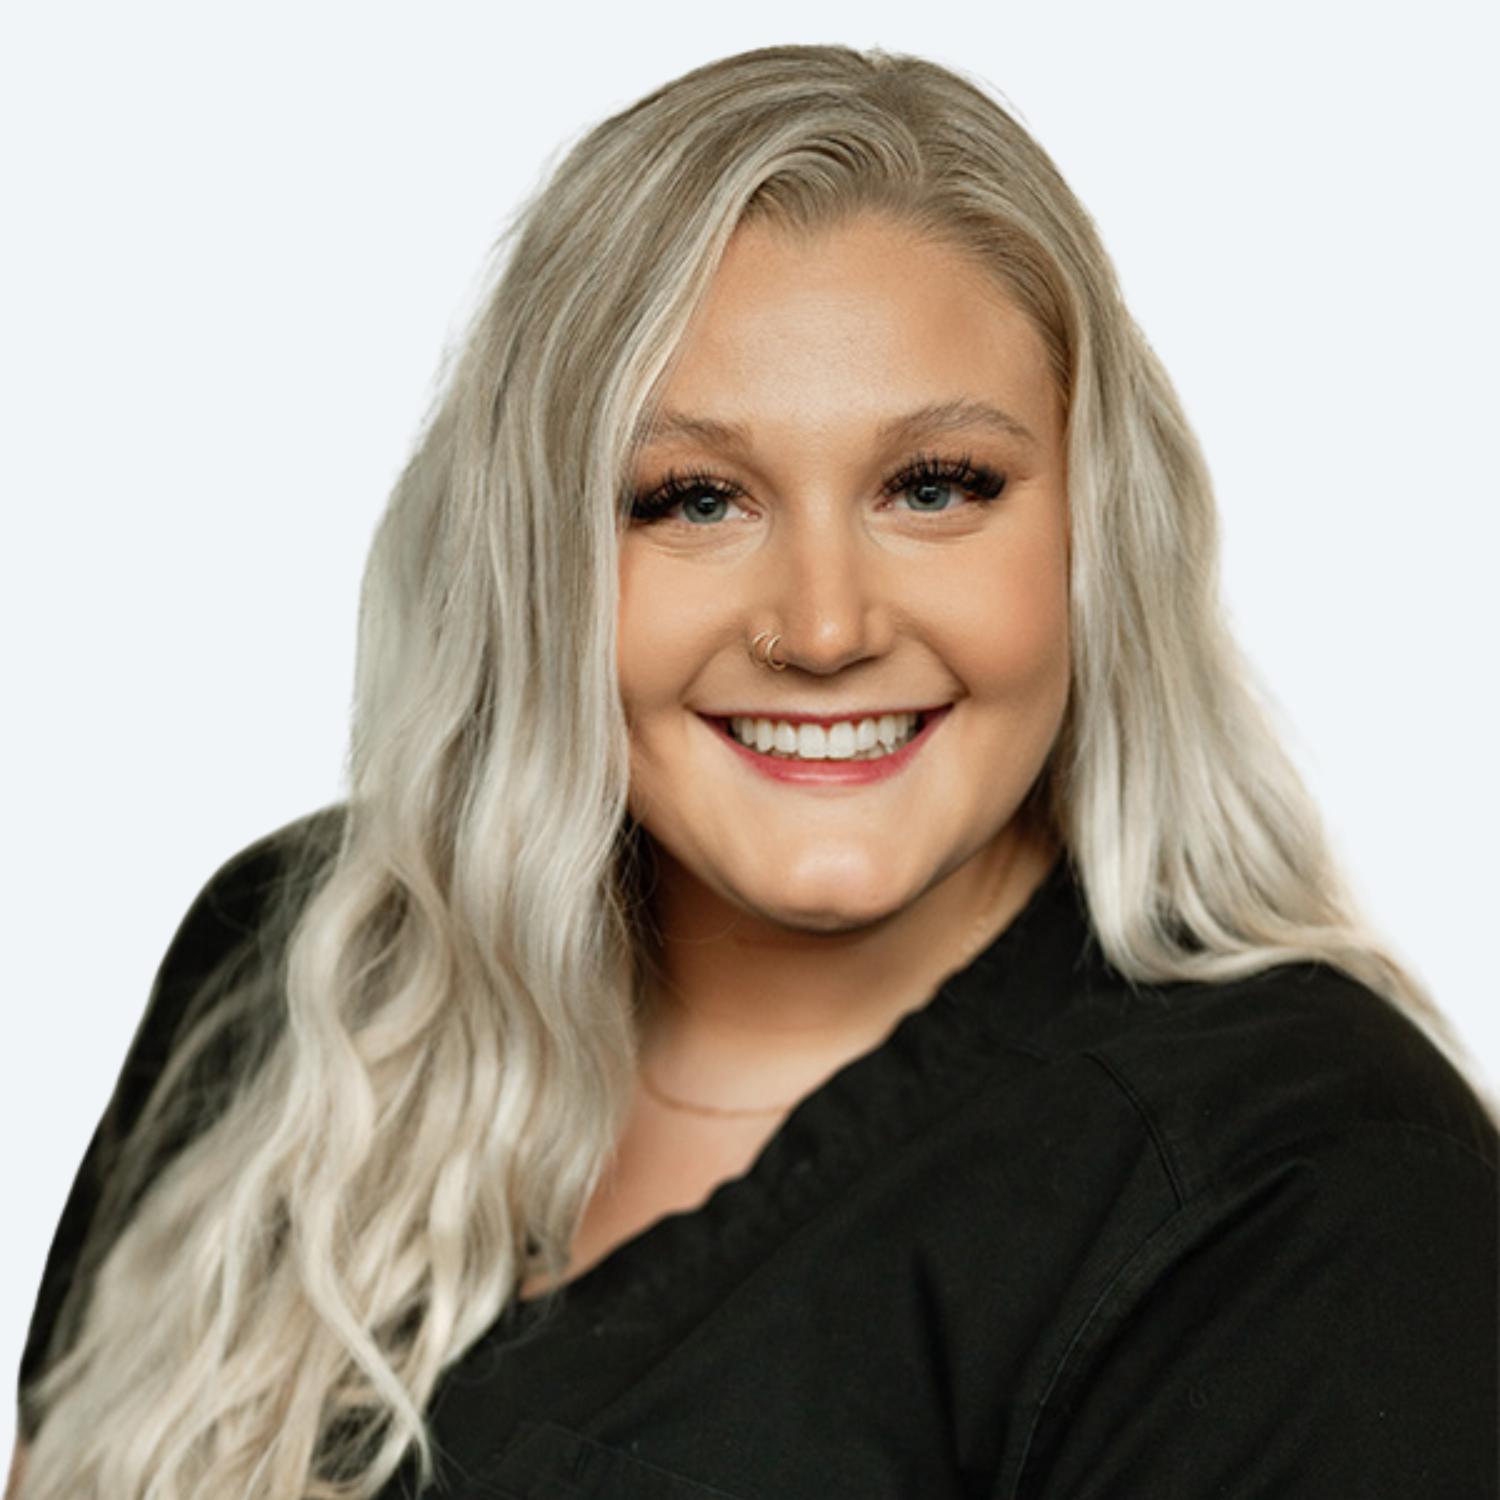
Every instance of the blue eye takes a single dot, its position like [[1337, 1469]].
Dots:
[[933, 486], [700, 500], [704, 508], [931, 495]]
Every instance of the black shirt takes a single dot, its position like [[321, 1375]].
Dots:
[[1059, 1236]]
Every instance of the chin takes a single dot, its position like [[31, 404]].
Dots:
[[830, 910], [825, 923]]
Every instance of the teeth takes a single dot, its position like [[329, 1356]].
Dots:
[[839, 739], [812, 742]]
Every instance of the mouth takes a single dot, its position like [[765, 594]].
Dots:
[[870, 737]]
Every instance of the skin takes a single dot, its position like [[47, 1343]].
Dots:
[[801, 919]]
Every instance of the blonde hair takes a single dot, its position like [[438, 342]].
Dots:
[[457, 992]]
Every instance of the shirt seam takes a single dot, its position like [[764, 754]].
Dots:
[[1176, 1179], [1160, 1242]]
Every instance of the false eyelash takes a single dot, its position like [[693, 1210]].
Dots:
[[978, 480], [653, 504]]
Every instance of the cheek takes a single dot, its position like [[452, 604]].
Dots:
[[1010, 627], [672, 630], [651, 636], [1035, 630]]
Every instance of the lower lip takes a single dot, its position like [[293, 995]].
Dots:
[[835, 773]]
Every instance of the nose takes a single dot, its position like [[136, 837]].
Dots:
[[826, 594]]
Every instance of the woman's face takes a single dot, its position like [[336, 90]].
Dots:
[[861, 451]]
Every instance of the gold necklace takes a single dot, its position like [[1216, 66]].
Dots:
[[976, 939], [709, 1111]]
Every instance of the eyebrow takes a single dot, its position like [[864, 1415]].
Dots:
[[950, 416], [669, 426], [925, 422]]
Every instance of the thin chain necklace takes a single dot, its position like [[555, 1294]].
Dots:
[[977, 937], [709, 1111]]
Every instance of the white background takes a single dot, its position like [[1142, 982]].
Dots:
[[237, 238]]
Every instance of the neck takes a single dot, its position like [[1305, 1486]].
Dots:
[[749, 1012]]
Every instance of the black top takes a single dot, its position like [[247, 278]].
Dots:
[[1057, 1237]]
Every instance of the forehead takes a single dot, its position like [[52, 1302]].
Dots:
[[861, 324]]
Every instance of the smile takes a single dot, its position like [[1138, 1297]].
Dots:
[[870, 738]]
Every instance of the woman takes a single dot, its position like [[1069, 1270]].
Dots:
[[797, 754]]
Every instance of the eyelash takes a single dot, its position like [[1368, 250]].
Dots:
[[658, 503], [978, 481]]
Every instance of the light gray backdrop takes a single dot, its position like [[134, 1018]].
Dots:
[[238, 237]]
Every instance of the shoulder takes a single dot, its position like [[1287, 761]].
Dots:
[[1218, 1074], [1284, 1263], [1309, 1308], [237, 924], [204, 1026], [1214, 1081], [1291, 1059], [247, 891]]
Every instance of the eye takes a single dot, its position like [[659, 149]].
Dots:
[[932, 494], [704, 508], [931, 486], [698, 499]]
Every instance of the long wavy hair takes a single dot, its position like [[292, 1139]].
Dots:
[[455, 994]]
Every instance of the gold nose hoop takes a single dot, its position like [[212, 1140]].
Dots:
[[763, 651]]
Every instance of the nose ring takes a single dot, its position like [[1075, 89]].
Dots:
[[763, 651]]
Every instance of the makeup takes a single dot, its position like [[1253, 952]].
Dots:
[[910, 730]]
